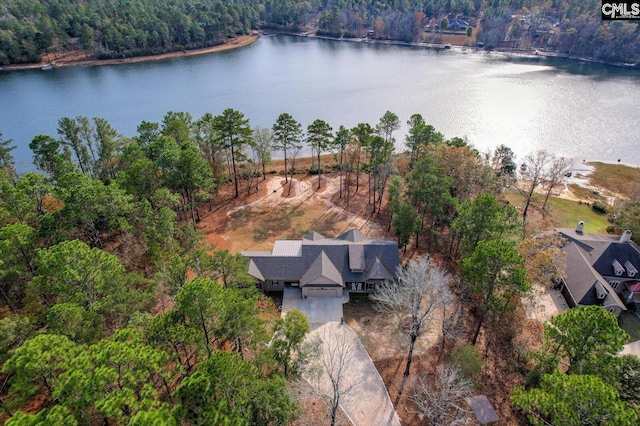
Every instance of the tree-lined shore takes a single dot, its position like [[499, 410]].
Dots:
[[32, 30], [114, 310], [73, 61]]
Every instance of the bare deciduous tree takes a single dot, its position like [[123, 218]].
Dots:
[[415, 299], [452, 318], [334, 375], [545, 260], [440, 399], [251, 168], [263, 144], [556, 170], [534, 174], [294, 154]]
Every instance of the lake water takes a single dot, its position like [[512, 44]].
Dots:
[[573, 109]]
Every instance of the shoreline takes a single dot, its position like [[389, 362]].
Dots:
[[235, 43], [524, 53], [246, 40]]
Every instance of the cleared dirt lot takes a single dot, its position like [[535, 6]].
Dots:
[[254, 222]]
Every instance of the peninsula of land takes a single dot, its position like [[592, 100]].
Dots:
[[75, 60]]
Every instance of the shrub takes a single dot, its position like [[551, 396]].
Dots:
[[313, 170], [599, 207], [467, 359]]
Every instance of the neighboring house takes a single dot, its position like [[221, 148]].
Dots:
[[458, 24], [323, 266], [601, 269]]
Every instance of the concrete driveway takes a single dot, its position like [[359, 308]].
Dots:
[[368, 403], [549, 302], [632, 348], [319, 310]]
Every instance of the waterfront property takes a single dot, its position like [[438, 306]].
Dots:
[[323, 266], [601, 270], [495, 99]]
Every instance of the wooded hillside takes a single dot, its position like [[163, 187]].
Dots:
[[117, 29]]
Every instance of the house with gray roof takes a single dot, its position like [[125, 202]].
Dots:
[[601, 269], [323, 266]]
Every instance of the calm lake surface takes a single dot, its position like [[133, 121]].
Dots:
[[578, 110]]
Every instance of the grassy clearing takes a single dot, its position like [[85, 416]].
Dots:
[[567, 213], [618, 178], [458, 39], [630, 323], [563, 213], [586, 194]]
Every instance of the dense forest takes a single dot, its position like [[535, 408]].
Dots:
[[114, 311], [30, 29]]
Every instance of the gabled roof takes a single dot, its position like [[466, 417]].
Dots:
[[590, 258], [620, 252], [322, 271], [380, 254], [630, 268], [581, 276], [353, 235], [633, 286], [254, 271], [377, 271], [313, 236], [604, 250]]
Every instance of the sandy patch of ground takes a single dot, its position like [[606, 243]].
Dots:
[[578, 187], [256, 221]]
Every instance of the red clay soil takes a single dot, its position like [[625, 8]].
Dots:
[[213, 222]]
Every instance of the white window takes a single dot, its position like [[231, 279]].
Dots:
[[614, 284], [354, 285], [371, 286]]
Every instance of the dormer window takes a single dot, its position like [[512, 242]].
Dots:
[[631, 270], [618, 270], [601, 292]]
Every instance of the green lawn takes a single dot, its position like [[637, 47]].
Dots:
[[567, 213], [563, 213]]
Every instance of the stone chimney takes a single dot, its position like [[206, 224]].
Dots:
[[580, 227], [626, 236]]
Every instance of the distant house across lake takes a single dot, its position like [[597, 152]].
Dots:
[[458, 24]]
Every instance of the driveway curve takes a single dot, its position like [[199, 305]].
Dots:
[[369, 402]]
